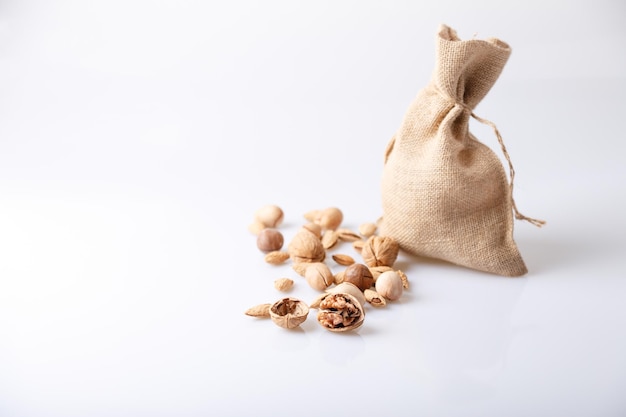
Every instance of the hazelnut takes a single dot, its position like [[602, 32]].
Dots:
[[289, 312], [389, 285], [359, 275], [269, 240], [270, 216]]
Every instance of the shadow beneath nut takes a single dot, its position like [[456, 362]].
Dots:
[[290, 339], [352, 346]]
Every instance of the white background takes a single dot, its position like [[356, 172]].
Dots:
[[137, 138]]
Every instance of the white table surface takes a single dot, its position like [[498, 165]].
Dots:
[[138, 138]]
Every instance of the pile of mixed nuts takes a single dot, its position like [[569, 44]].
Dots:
[[341, 304]]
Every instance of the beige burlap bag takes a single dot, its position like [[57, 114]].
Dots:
[[445, 195]]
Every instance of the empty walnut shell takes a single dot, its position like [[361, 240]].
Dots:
[[380, 251], [340, 312], [306, 247], [289, 312]]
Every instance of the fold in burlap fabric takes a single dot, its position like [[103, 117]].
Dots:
[[445, 195]]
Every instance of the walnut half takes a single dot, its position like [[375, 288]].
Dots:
[[340, 312]]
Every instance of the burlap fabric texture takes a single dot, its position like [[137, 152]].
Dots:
[[446, 195]]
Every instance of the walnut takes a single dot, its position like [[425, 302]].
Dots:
[[306, 247], [380, 251], [340, 312]]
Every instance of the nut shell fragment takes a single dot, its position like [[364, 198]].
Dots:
[[405, 279], [375, 299], [288, 312]]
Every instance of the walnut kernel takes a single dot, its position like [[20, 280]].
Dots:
[[340, 312]]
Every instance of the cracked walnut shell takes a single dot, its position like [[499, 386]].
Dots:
[[289, 312]]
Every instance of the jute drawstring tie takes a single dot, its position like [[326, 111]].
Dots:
[[518, 215]]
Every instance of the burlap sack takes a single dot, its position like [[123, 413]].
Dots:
[[445, 195]]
